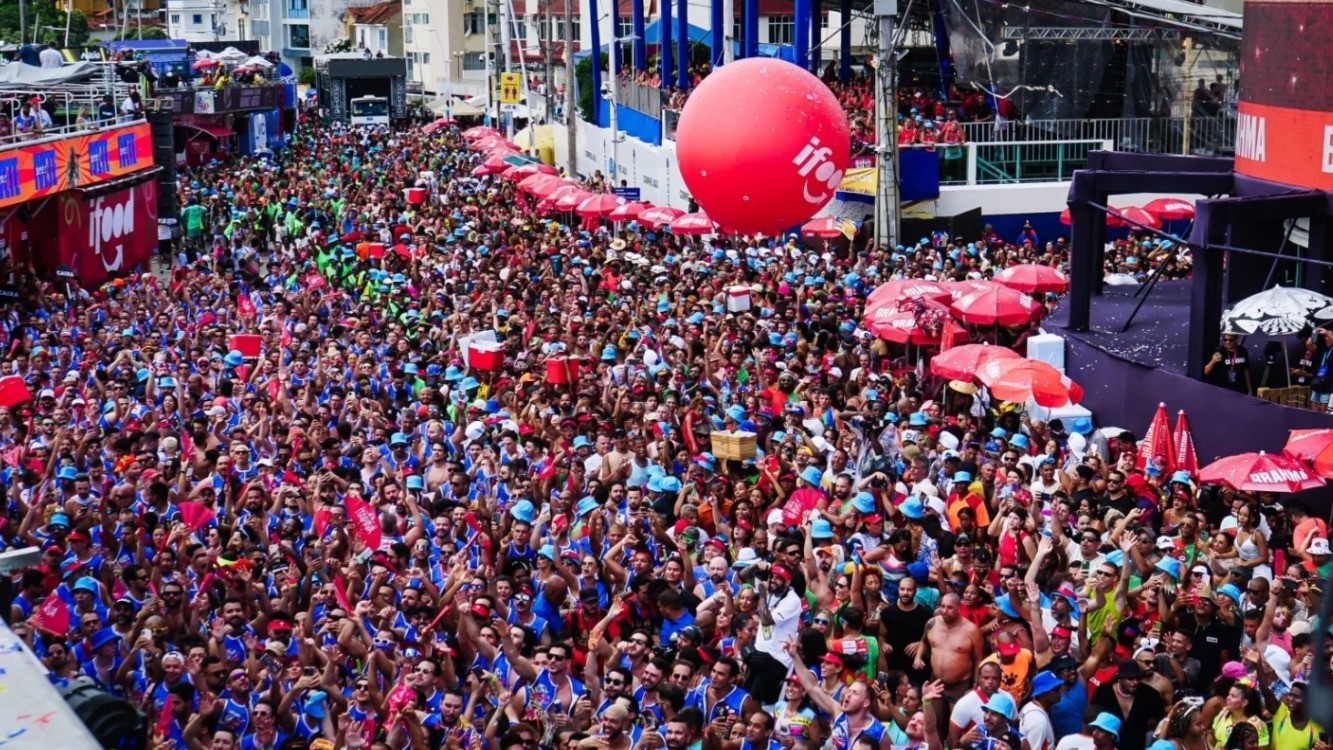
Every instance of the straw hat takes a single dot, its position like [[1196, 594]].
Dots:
[[962, 386]]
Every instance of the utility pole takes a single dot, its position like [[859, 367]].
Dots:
[[23, 20], [548, 74], [886, 104], [571, 102]]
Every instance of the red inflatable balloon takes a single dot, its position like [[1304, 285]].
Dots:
[[762, 145]]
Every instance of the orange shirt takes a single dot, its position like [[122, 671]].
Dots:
[[1016, 676]]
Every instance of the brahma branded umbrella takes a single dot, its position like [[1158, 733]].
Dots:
[[1261, 472], [922, 322], [996, 305], [1170, 209], [599, 205], [1156, 448], [1017, 380], [1307, 443], [962, 362], [1033, 278], [628, 211], [693, 224], [660, 216], [892, 291], [1187, 459]]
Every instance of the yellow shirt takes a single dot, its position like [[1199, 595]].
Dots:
[[1287, 737], [1224, 722]]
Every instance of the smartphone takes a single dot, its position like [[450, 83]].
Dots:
[[883, 679]]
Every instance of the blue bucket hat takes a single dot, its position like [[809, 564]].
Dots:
[[1003, 704], [736, 413], [1181, 477], [912, 508], [963, 477], [1169, 566], [523, 511], [234, 358], [414, 482], [103, 637], [1045, 682], [581, 441], [1231, 590], [469, 384], [1107, 723], [609, 354], [864, 502], [812, 476], [820, 528], [670, 484], [917, 419], [547, 551], [87, 583], [58, 519], [587, 505], [452, 373], [314, 704], [398, 438], [654, 484]]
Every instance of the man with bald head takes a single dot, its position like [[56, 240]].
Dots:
[[953, 645]]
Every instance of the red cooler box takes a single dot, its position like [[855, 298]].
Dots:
[[416, 196], [561, 370], [13, 391], [247, 344], [487, 356]]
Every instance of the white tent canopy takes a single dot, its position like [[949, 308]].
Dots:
[[258, 62]]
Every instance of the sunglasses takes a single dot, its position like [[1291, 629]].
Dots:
[[821, 621]]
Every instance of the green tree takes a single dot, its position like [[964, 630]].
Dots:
[[51, 19]]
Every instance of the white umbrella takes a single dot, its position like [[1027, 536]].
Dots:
[[232, 56], [1120, 279], [1280, 311], [258, 62], [204, 54]]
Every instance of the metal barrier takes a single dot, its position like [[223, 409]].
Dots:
[[640, 97], [1028, 161], [1209, 134], [60, 132]]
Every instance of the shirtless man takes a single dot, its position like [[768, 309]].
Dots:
[[955, 645]]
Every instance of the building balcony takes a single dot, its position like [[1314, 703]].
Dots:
[[296, 14]]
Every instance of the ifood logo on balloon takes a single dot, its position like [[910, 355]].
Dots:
[[111, 221], [821, 175]]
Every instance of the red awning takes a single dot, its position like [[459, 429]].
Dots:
[[215, 131]]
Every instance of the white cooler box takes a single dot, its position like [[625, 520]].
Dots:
[[1048, 348]]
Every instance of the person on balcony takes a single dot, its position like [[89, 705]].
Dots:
[[953, 166], [908, 133]]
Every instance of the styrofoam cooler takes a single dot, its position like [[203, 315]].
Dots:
[[486, 355], [1048, 348], [415, 196], [247, 344], [738, 299]]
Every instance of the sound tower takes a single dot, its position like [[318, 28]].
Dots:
[[164, 156]]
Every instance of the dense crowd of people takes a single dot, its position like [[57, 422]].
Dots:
[[357, 534]]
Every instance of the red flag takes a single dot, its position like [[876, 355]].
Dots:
[[245, 305], [195, 515], [322, 518], [340, 592], [365, 522], [1156, 445], [52, 616], [1186, 458], [187, 444], [164, 718]]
